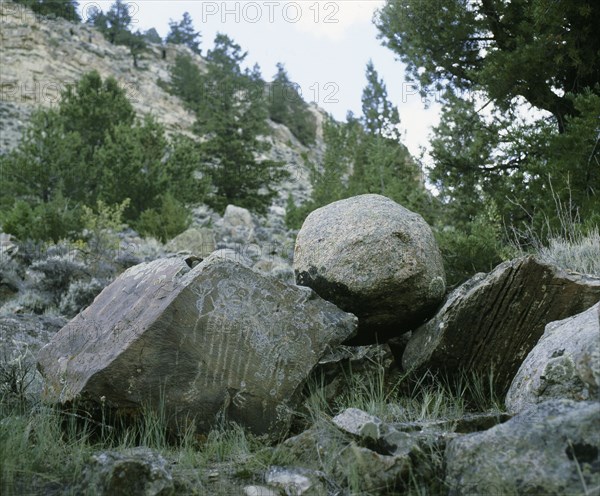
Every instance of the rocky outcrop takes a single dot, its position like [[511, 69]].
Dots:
[[198, 339], [493, 321], [564, 364], [374, 258], [551, 448]]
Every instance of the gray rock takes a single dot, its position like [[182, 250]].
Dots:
[[374, 258], [135, 472], [197, 241], [218, 338], [551, 449], [564, 364], [260, 491], [237, 216], [493, 321], [297, 481]]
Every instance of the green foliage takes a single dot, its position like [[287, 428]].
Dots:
[[93, 108], [151, 36], [53, 220], [539, 50], [166, 221], [287, 107], [92, 149], [182, 33], [66, 9], [115, 26], [102, 224], [231, 118], [187, 81], [131, 166], [380, 117], [470, 247]]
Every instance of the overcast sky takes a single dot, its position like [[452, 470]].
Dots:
[[324, 45]]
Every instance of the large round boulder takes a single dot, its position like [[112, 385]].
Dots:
[[374, 258]]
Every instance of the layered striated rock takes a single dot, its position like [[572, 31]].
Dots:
[[218, 338], [374, 258], [564, 364], [491, 322]]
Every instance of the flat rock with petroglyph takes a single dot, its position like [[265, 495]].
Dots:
[[374, 258], [202, 340]]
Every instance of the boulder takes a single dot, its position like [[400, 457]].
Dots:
[[564, 364], [551, 448], [493, 321], [135, 472], [197, 241], [374, 258], [237, 226], [215, 338]]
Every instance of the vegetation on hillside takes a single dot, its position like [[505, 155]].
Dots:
[[92, 147], [520, 86]]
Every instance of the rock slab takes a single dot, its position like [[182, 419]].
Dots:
[[493, 321], [551, 448], [374, 258], [218, 338], [564, 364]]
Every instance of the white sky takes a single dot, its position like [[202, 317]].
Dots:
[[324, 45]]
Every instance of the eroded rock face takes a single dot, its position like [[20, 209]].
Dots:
[[374, 258], [197, 241], [493, 321], [547, 449], [218, 337], [564, 364]]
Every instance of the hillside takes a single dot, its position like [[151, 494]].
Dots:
[[40, 56]]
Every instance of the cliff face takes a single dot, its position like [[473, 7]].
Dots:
[[40, 56]]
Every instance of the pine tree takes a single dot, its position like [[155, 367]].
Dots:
[[287, 107], [232, 115], [380, 117], [66, 9], [182, 33]]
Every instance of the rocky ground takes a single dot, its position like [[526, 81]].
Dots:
[[497, 392]]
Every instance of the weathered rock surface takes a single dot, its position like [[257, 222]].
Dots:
[[135, 472], [374, 258], [218, 337], [493, 321], [551, 449], [564, 364], [197, 241]]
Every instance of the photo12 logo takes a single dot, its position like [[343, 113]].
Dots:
[[254, 12]]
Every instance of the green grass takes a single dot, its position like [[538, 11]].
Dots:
[[49, 446]]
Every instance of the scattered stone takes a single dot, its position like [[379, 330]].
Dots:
[[260, 491], [551, 448], [564, 364], [195, 241], [297, 481], [374, 258], [135, 472], [215, 338], [493, 321]]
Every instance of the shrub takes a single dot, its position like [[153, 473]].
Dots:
[[165, 222]]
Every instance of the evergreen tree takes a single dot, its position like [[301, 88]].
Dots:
[[232, 115], [380, 117], [287, 107], [151, 36], [118, 20], [92, 148], [66, 9], [182, 33]]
